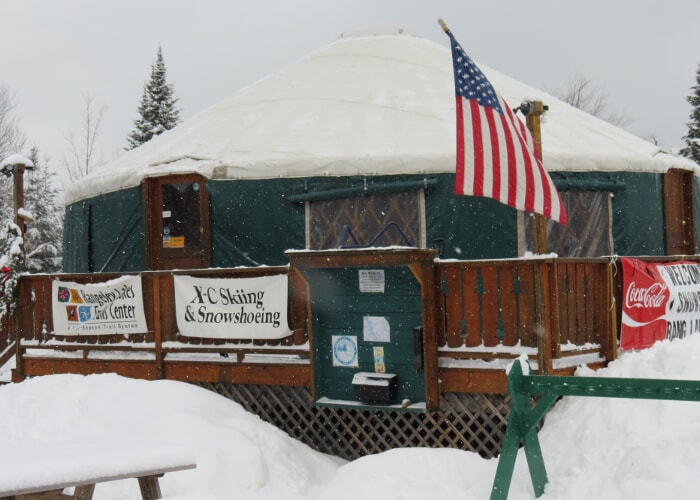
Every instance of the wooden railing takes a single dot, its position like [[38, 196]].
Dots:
[[162, 352], [486, 311], [7, 335], [491, 312]]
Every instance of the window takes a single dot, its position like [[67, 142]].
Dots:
[[181, 215], [588, 232], [379, 219]]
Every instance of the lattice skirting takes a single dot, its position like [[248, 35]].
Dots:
[[473, 422]]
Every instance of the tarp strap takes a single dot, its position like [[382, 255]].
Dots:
[[364, 188]]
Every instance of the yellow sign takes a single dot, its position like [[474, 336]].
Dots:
[[174, 242]]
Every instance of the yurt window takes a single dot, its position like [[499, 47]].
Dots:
[[588, 232], [181, 215], [370, 220]]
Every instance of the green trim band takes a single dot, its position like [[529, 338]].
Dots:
[[369, 188]]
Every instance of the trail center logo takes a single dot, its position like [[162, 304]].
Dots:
[[344, 350]]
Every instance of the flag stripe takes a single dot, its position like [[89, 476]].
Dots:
[[494, 141], [478, 149], [461, 154]]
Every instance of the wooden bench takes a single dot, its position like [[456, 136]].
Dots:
[[39, 469]]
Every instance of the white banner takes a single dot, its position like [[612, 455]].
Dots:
[[98, 309], [232, 308]]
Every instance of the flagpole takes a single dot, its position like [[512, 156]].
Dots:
[[540, 244]]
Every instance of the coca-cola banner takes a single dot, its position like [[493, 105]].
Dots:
[[660, 301]]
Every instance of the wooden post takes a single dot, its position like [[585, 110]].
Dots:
[[18, 194], [157, 327], [18, 177], [539, 223], [540, 247]]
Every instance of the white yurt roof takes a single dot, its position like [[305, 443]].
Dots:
[[362, 105]]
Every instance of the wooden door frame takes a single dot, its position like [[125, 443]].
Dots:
[[152, 231], [679, 212]]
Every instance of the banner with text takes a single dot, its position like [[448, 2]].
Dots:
[[98, 309], [660, 301], [232, 308]]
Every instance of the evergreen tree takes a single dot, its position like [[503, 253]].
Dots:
[[43, 237], [157, 111], [11, 141], [11, 265], [7, 204], [692, 139]]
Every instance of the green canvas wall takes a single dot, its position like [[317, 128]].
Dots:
[[104, 233], [253, 222], [471, 227]]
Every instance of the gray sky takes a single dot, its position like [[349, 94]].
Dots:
[[644, 54]]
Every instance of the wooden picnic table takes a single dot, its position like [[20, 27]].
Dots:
[[37, 469]]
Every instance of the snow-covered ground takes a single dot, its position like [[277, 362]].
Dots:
[[594, 448]]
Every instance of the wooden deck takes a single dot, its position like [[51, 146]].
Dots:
[[559, 312]]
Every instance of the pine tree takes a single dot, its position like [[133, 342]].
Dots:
[[692, 139], [43, 238], [157, 111], [11, 141], [11, 265]]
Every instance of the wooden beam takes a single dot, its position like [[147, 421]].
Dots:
[[127, 368], [472, 380], [259, 374]]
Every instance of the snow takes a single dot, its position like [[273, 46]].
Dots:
[[361, 105], [592, 447], [25, 214], [17, 159], [73, 463]]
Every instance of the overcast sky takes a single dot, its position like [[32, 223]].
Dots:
[[644, 54]]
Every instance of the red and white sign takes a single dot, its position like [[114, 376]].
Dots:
[[660, 301]]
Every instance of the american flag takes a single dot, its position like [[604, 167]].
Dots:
[[496, 153]]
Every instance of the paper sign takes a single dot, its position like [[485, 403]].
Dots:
[[376, 329], [379, 365], [371, 280]]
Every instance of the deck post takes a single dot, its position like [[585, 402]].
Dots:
[[157, 327], [540, 247]]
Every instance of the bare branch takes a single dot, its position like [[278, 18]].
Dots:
[[83, 153], [581, 93], [12, 139]]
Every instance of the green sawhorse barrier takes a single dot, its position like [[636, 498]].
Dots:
[[523, 420]]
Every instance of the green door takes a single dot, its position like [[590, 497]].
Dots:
[[363, 323]]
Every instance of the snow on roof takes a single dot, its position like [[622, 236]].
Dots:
[[362, 105]]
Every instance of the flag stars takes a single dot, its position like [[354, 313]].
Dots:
[[471, 83]]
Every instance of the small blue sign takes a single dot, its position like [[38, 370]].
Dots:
[[345, 350]]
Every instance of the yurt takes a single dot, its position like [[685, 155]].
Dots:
[[354, 146]]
